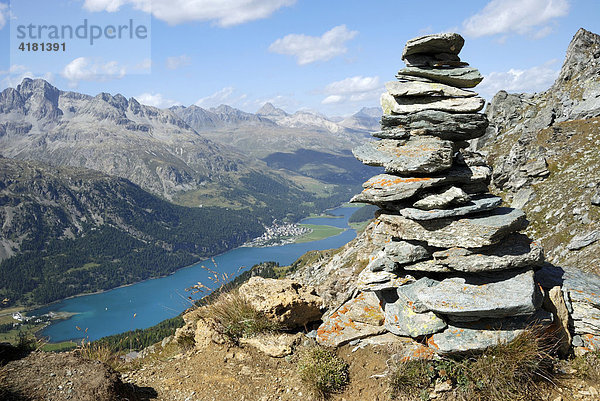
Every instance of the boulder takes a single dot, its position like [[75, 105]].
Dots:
[[435, 90], [358, 318], [285, 301], [416, 155], [583, 240], [474, 232], [405, 349], [450, 126], [404, 105], [385, 188], [516, 251], [480, 203], [450, 43], [397, 253], [461, 77], [506, 294], [276, 345], [450, 197], [460, 338]]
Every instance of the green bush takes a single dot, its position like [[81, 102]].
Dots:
[[322, 371]]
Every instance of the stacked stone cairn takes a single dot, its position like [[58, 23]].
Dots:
[[452, 271]]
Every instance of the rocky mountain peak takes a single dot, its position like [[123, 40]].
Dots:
[[268, 110], [40, 98], [582, 58]]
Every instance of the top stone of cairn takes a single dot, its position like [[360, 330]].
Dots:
[[449, 43]]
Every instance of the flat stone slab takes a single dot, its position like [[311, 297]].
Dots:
[[393, 133], [451, 43], [508, 294], [453, 196], [480, 203], [358, 318], [450, 126], [461, 77], [385, 188], [434, 60], [380, 280], [516, 251], [404, 105], [416, 155], [478, 336], [401, 89], [474, 232], [397, 253], [401, 318]]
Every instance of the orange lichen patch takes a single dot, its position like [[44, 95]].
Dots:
[[387, 182], [592, 342], [432, 343]]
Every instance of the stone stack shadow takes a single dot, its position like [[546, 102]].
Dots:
[[452, 269]]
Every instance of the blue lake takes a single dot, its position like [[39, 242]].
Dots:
[[145, 304]]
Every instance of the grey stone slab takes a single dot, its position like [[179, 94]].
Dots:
[[385, 189], [508, 294], [358, 318], [461, 77], [394, 133], [583, 240], [404, 105], [452, 196], [450, 43], [460, 338], [381, 280], [397, 253], [479, 203], [474, 232], [396, 88], [451, 126], [514, 252], [416, 155]]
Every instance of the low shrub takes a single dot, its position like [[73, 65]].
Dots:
[[322, 371], [587, 366]]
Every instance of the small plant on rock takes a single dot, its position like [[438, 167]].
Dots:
[[322, 371], [233, 316]]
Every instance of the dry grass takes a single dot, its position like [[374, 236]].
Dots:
[[100, 352], [506, 372], [322, 371], [587, 366], [233, 316]]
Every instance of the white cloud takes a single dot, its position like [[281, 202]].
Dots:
[[332, 99], [535, 79], [85, 69], [516, 16], [15, 75], [156, 100], [353, 89], [145, 65], [226, 96], [224, 12], [3, 14], [308, 49], [176, 62]]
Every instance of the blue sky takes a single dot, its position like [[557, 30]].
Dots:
[[329, 56]]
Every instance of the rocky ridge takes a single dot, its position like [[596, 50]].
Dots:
[[543, 149]]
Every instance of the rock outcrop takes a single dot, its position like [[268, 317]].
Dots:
[[452, 261]]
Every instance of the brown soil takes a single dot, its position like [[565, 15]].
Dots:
[[64, 376]]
